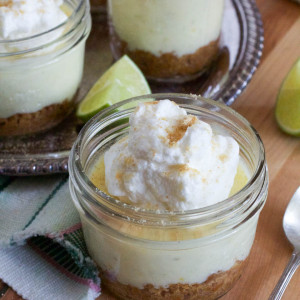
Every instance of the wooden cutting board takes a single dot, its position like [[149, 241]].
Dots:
[[271, 251]]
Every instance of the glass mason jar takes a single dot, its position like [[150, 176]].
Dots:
[[170, 40], [40, 75], [149, 254]]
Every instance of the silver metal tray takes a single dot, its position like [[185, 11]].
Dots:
[[241, 42]]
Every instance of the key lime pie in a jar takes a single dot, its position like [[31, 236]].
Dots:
[[42, 46], [170, 40], [169, 189]]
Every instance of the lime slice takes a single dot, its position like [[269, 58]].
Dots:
[[121, 81], [287, 110]]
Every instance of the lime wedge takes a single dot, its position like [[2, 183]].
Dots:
[[121, 81], [287, 111]]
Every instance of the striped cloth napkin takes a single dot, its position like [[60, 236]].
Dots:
[[42, 251]]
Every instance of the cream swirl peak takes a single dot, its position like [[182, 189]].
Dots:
[[25, 18], [170, 160]]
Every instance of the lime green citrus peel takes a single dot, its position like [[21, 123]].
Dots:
[[287, 111], [121, 81]]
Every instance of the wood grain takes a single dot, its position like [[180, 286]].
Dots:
[[271, 251], [257, 103], [7, 293], [278, 16]]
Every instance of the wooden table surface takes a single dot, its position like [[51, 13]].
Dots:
[[271, 251]]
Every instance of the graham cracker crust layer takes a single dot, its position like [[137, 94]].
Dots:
[[98, 2], [168, 65], [214, 287], [28, 123]]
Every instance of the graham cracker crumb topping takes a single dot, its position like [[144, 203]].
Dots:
[[177, 132], [182, 168], [151, 103], [223, 157], [7, 3], [119, 176], [129, 162]]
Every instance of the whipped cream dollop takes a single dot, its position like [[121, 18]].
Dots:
[[170, 160], [25, 18]]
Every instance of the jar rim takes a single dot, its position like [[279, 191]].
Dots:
[[217, 210], [75, 11]]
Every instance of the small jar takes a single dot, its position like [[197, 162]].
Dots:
[[149, 254], [170, 40], [40, 75]]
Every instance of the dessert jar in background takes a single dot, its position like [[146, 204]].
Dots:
[[40, 75], [170, 40], [149, 254]]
